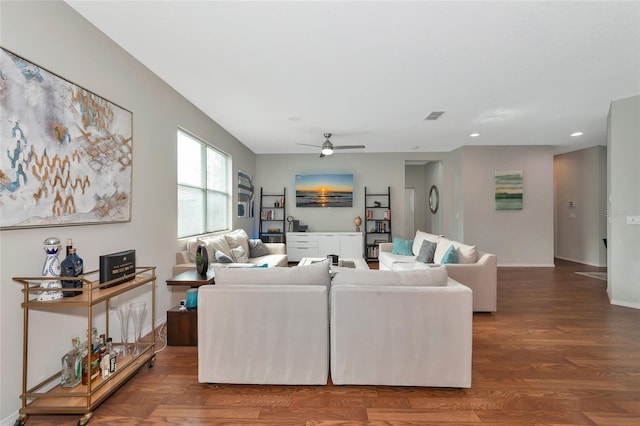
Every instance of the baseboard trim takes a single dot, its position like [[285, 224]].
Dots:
[[581, 262], [625, 304], [526, 265]]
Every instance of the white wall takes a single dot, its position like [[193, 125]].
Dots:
[[55, 37], [580, 177], [466, 196], [433, 176], [416, 179], [623, 183], [521, 237]]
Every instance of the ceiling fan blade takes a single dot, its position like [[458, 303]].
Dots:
[[308, 144], [348, 146]]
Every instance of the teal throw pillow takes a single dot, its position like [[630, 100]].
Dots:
[[450, 256], [402, 247]]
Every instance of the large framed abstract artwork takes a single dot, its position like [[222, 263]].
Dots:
[[508, 190], [245, 194], [66, 156]]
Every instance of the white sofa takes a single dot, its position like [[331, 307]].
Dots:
[[387, 333], [229, 244], [265, 326], [476, 269]]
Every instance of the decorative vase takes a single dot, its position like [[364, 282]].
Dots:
[[123, 316], [202, 259], [51, 268], [137, 312], [357, 221]]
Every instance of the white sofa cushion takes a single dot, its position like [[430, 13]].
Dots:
[[430, 276], [420, 237], [313, 274], [238, 238], [466, 253]]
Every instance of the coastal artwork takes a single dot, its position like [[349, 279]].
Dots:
[[324, 190], [245, 194], [66, 156], [508, 190]]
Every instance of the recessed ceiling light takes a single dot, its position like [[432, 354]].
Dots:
[[474, 135], [576, 134]]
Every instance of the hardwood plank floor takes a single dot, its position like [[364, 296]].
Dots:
[[555, 353]]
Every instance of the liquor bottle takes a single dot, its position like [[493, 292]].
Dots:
[[92, 343], [90, 365], [69, 246], [71, 266], [104, 361], [71, 366], [112, 356]]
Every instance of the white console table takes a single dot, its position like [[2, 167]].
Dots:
[[321, 244]]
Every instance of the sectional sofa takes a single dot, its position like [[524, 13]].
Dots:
[[234, 246], [284, 325], [474, 268]]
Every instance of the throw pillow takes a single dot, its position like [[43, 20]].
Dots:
[[427, 250], [238, 238], [466, 253], [223, 258], [402, 247], [420, 237], [450, 256], [239, 255], [217, 242], [257, 249]]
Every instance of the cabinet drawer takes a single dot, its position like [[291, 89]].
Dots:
[[296, 253]]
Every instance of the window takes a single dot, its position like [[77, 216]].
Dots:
[[204, 196]]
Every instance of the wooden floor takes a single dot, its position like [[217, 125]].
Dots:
[[555, 353]]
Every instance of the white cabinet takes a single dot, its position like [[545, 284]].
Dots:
[[321, 244], [351, 245], [328, 244], [301, 244]]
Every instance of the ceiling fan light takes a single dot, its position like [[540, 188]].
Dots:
[[327, 148]]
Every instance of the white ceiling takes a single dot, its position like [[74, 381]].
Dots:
[[277, 73]]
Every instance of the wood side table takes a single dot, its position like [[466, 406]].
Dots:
[[182, 327], [192, 278]]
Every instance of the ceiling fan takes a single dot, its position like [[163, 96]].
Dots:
[[327, 147]]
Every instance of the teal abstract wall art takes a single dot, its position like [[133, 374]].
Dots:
[[509, 190]]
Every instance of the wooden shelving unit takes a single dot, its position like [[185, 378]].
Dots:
[[273, 216], [377, 221], [47, 397]]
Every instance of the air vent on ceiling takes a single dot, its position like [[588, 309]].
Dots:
[[434, 115]]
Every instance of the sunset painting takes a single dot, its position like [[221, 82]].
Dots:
[[326, 190]]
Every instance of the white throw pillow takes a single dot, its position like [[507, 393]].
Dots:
[[466, 253], [192, 246], [419, 238], [313, 274], [435, 276], [238, 238], [239, 255], [217, 242]]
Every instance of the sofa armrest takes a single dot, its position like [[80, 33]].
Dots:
[[182, 257], [276, 248], [387, 247], [482, 278]]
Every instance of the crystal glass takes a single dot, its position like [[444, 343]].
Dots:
[[123, 316], [137, 313]]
